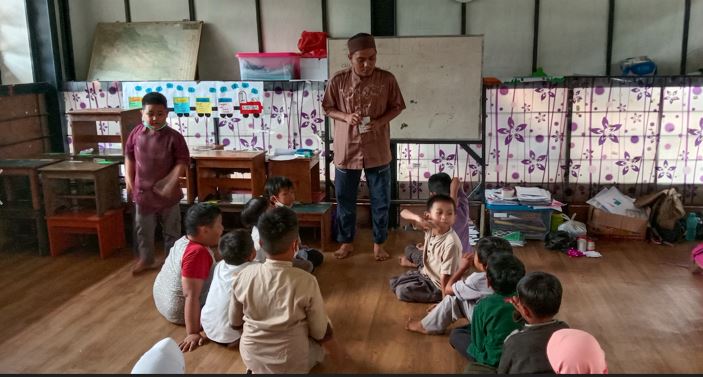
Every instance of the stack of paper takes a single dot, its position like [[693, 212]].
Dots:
[[611, 200], [473, 234], [496, 197], [533, 196]]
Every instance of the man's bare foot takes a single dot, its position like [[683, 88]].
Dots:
[[140, 266], [405, 262], [344, 251], [379, 253], [416, 326]]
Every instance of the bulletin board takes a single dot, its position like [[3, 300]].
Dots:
[[440, 78], [141, 51]]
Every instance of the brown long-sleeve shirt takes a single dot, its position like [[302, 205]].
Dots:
[[371, 96]]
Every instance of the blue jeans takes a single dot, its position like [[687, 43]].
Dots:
[[346, 185]]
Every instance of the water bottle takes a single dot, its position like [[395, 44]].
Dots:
[[691, 226]]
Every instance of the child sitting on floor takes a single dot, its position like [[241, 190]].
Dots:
[[572, 351], [181, 287], [251, 213], [439, 258], [442, 183], [281, 193], [280, 308], [538, 300], [461, 296], [481, 342], [238, 252]]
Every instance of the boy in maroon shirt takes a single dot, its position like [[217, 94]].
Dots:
[[155, 157]]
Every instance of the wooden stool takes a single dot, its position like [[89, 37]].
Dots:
[[316, 215], [109, 227]]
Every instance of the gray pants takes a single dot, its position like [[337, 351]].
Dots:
[[414, 255], [145, 228], [448, 311], [413, 286]]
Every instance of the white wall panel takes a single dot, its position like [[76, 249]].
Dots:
[[348, 17], [230, 27], [85, 14], [573, 35], [159, 10], [507, 27], [694, 54], [649, 28], [282, 22], [422, 17]]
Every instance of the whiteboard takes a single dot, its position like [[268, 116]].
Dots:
[[141, 51], [440, 78]]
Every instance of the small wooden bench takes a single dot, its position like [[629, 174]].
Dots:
[[109, 227], [316, 215]]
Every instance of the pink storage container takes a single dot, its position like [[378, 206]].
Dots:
[[255, 66]]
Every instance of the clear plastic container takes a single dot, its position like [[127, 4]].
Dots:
[[254, 66]]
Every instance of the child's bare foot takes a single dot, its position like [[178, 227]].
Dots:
[[405, 262], [415, 326], [344, 251], [379, 253]]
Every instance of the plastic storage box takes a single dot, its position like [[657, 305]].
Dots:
[[532, 223], [255, 66]]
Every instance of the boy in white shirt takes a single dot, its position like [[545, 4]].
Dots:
[[238, 252], [462, 295], [439, 258]]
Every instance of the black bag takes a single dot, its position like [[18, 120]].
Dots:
[[560, 240]]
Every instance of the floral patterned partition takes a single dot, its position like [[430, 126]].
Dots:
[[641, 135]]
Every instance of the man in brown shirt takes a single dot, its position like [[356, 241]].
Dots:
[[362, 100]]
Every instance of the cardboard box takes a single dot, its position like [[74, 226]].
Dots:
[[601, 223]]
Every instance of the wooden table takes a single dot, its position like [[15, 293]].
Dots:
[[212, 170], [22, 207], [93, 185], [304, 173], [84, 126], [316, 215]]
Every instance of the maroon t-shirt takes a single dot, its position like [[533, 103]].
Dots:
[[154, 155]]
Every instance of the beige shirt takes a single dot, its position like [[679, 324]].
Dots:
[[371, 96], [281, 309], [442, 255]]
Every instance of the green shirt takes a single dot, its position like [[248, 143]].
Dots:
[[491, 323]]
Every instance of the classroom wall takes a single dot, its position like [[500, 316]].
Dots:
[[348, 17], [572, 33], [15, 55], [85, 15]]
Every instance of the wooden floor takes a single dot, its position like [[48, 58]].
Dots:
[[79, 314]]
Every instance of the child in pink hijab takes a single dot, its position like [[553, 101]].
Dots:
[[572, 351]]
